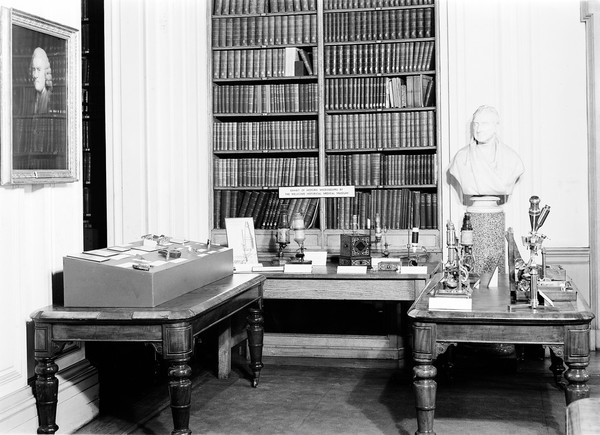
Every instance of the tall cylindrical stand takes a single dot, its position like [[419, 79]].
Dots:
[[488, 222]]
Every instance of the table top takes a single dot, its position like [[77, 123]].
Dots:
[[329, 271], [182, 307], [491, 305]]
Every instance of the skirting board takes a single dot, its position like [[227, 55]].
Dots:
[[334, 346], [77, 402]]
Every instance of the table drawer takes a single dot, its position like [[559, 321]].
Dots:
[[355, 289]]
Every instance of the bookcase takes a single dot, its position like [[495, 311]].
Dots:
[[326, 93], [93, 171]]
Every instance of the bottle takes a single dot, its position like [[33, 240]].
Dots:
[[466, 240], [466, 231], [354, 223], [283, 226]]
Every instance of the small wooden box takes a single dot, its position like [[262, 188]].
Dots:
[[355, 250]]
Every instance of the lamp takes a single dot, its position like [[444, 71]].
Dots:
[[283, 235], [299, 237]]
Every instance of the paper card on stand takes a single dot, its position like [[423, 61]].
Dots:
[[318, 258], [494, 279], [459, 303], [241, 238], [297, 268], [352, 269], [267, 269], [489, 279], [413, 270]]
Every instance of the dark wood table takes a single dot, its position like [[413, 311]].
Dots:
[[565, 328], [170, 328], [325, 284]]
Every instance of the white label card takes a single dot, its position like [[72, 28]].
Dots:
[[316, 192], [352, 269]]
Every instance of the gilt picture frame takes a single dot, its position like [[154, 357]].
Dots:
[[40, 117]]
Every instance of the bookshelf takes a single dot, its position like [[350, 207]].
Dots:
[[326, 93], [93, 171]]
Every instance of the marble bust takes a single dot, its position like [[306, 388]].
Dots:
[[486, 166]]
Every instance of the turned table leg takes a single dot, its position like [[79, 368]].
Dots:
[[425, 389], [180, 391], [424, 385], [577, 376], [255, 332], [577, 358], [46, 394]]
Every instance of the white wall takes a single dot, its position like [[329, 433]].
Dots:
[[590, 13], [158, 125], [38, 226], [526, 58]]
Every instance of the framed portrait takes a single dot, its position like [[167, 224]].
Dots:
[[40, 116]]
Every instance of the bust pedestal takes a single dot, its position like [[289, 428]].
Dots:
[[488, 222]]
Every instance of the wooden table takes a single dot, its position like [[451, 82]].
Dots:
[[324, 283], [170, 328], [565, 328]]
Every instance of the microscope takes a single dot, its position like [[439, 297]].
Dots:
[[526, 277], [457, 267]]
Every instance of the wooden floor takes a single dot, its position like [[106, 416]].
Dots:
[[489, 394]]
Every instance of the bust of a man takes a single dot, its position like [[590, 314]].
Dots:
[[486, 166]]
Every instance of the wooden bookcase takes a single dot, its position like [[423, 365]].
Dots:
[[326, 93], [93, 171]]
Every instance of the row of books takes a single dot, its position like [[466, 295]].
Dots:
[[263, 172], [265, 30], [87, 168], [360, 4], [239, 7], [87, 202], [388, 58], [379, 25], [85, 14], [85, 101], [388, 130], [266, 62], [273, 98], [263, 206], [85, 136], [40, 134], [257, 136], [85, 70], [85, 37], [340, 212], [379, 93], [411, 91], [378, 169], [398, 209]]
